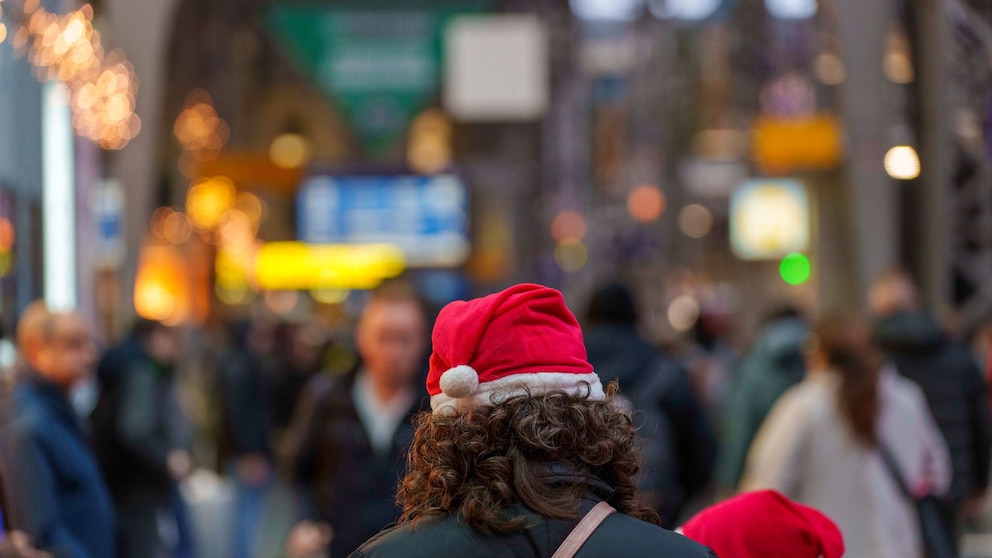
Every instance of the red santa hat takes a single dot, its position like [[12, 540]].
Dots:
[[763, 524], [521, 340]]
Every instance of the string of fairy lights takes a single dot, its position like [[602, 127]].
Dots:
[[67, 47]]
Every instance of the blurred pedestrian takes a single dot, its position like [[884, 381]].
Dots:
[[349, 435], [522, 443], [291, 361], [143, 440], [774, 364], [765, 524], [659, 388], [52, 487], [244, 444], [826, 442], [950, 379]]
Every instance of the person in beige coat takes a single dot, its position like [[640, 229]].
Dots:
[[821, 445]]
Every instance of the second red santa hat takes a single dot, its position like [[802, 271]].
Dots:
[[522, 340]]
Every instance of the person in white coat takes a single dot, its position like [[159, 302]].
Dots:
[[820, 445]]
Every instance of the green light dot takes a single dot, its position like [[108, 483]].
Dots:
[[795, 269]]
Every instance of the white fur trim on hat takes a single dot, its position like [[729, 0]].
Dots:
[[460, 381], [497, 391]]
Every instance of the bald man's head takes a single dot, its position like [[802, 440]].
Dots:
[[56, 345], [35, 328]]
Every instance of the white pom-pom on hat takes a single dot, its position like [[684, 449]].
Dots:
[[460, 381]]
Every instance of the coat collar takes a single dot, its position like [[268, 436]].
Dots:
[[562, 473], [49, 395]]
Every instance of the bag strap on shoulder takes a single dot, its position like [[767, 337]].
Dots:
[[893, 467], [581, 533]]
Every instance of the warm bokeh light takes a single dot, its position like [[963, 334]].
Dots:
[[683, 313], [20, 39], [6, 263], [829, 69], [568, 224], [902, 163], [161, 289], [646, 203], [3, 32], [158, 220], [176, 228], [7, 235], [232, 269], [154, 302], [281, 302], [289, 151], [429, 145], [234, 295], [897, 64], [198, 127], [103, 85], [571, 255], [695, 221], [252, 206], [208, 200], [330, 296], [235, 228]]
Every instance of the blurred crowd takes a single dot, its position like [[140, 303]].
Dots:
[[305, 424]]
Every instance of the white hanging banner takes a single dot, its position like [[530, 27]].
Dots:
[[58, 198]]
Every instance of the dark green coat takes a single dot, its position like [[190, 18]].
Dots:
[[617, 537]]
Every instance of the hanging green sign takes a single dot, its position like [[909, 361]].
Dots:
[[380, 63]]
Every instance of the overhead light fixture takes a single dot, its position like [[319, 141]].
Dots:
[[902, 162], [791, 9], [606, 10], [684, 10]]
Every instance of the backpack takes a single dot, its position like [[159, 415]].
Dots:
[[667, 395]]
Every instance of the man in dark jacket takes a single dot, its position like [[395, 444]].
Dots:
[[521, 443], [52, 485], [774, 364], [949, 377], [144, 440], [348, 438], [244, 441], [660, 390]]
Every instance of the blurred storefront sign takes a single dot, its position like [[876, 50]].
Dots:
[[380, 62], [108, 214], [496, 68], [425, 216], [784, 144], [248, 168], [708, 178], [769, 219], [299, 266], [608, 55]]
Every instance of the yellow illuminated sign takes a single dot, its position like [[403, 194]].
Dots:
[[809, 142], [768, 219], [298, 266]]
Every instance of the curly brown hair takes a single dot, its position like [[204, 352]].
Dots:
[[481, 462]]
